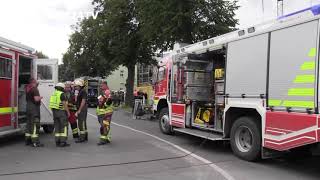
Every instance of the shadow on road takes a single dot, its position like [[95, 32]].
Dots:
[[11, 140]]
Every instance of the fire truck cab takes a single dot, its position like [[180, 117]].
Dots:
[[17, 66], [257, 87]]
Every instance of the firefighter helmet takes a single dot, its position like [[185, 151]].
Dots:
[[68, 83], [60, 85], [79, 82]]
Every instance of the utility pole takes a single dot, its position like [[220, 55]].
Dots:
[[280, 8]]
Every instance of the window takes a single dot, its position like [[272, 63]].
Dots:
[[161, 73], [144, 74], [93, 83], [5, 68], [44, 72]]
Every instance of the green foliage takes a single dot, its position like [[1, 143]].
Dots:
[[66, 70], [41, 55], [84, 54], [165, 22], [127, 32], [122, 40]]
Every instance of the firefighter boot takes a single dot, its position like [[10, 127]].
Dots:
[[80, 140], [28, 141], [64, 144], [101, 143], [37, 144]]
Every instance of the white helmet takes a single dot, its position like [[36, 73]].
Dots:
[[79, 82], [60, 85], [68, 83]]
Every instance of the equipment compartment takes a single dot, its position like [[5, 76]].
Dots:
[[198, 93], [219, 87], [197, 78]]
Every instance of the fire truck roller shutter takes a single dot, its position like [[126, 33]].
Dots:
[[247, 66], [292, 79]]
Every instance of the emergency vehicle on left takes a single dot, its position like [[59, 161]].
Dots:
[[18, 64]]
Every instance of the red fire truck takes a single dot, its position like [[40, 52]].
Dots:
[[257, 87], [17, 63]]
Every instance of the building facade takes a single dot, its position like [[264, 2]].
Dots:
[[117, 79]]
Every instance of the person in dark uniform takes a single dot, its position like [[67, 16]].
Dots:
[[33, 114], [82, 110], [73, 109]]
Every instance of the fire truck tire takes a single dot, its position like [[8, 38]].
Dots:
[[245, 139], [164, 121], [48, 129]]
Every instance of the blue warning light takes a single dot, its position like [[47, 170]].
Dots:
[[314, 9]]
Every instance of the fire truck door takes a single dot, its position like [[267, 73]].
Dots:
[[177, 109], [7, 84], [46, 72]]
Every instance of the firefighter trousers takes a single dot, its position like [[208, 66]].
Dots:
[[105, 131], [60, 125], [73, 124], [32, 128], [82, 122]]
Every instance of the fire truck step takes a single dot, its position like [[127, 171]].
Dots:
[[203, 134], [10, 132]]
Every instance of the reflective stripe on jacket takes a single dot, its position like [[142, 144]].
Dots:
[[104, 110]]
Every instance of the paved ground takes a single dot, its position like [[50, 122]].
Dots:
[[134, 155], [220, 154]]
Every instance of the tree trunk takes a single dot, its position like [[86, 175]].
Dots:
[[130, 85]]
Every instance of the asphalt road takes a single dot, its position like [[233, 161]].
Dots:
[[140, 151], [219, 153]]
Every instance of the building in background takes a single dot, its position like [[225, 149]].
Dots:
[[117, 80], [143, 81]]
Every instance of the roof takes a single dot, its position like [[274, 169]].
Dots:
[[6, 43]]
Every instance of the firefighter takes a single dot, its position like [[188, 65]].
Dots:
[[33, 114], [60, 110], [82, 110], [69, 92], [104, 113]]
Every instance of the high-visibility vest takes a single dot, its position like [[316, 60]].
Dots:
[[106, 109], [55, 100]]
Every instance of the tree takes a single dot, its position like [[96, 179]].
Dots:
[[123, 39], [41, 55], [166, 22], [127, 32], [66, 72], [84, 55]]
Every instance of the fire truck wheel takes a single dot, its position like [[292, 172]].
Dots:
[[164, 121], [48, 129], [245, 139]]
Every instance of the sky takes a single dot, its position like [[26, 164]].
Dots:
[[46, 24]]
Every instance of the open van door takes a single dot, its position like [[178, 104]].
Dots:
[[7, 96], [46, 72]]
